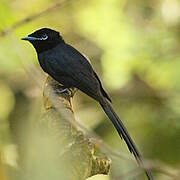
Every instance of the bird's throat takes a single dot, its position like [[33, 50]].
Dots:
[[42, 46]]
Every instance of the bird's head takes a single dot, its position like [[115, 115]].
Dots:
[[44, 39]]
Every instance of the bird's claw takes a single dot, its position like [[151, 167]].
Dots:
[[65, 91]]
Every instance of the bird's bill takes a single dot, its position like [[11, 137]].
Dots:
[[29, 38]]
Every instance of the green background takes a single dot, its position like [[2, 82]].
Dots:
[[133, 45]]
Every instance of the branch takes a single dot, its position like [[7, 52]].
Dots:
[[55, 146], [33, 17]]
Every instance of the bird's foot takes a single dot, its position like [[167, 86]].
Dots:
[[65, 91], [61, 91]]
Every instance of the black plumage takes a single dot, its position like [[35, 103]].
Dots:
[[69, 67]]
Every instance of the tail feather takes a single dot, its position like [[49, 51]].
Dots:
[[123, 133]]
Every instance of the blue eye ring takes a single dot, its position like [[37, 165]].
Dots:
[[44, 37]]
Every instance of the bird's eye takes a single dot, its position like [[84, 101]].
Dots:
[[44, 37]]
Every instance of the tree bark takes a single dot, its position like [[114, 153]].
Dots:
[[55, 148]]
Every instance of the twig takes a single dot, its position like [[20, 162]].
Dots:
[[33, 17]]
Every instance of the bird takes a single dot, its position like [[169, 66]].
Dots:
[[72, 69]]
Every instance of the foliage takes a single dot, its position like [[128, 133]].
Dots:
[[134, 47]]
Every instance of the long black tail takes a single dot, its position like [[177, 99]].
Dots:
[[123, 133]]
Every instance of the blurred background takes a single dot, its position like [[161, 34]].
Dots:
[[134, 46]]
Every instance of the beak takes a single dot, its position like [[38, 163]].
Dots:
[[29, 38]]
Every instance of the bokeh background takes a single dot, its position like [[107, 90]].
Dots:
[[134, 46]]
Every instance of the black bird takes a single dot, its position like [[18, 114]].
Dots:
[[71, 69]]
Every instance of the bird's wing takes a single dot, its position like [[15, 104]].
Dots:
[[71, 67], [86, 70]]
